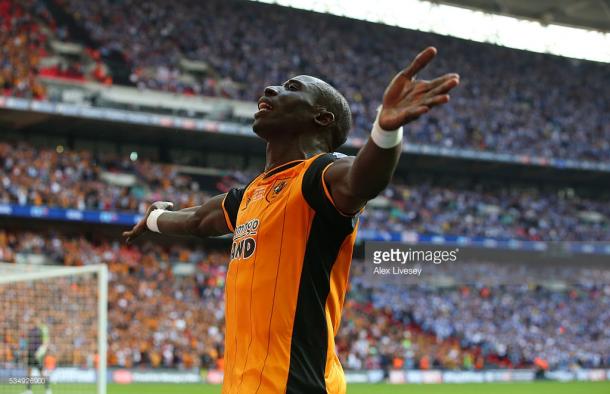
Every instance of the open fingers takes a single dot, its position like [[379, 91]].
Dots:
[[134, 232], [444, 87], [440, 80], [395, 88], [420, 61], [413, 113], [436, 100], [128, 236], [397, 85]]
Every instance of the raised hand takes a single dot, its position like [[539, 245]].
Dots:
[[406, 98], [140, 227]]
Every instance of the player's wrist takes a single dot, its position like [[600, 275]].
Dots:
[[385, 139], [152, 221]]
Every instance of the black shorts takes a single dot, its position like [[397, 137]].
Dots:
[[33, 361]]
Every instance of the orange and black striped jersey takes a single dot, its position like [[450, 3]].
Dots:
[[286, 282]]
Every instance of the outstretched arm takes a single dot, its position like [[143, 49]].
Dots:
[[354, 181], [206, 220]]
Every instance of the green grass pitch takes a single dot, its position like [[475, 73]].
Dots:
[[483, 388]]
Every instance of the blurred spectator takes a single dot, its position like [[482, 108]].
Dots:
[[509, 101], [22, 44], [74, 179], [160, 319], [78, 179]]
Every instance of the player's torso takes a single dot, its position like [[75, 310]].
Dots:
[[270, 206], [263, 288], [263, 279]]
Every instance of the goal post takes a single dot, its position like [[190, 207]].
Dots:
[[53, 320]]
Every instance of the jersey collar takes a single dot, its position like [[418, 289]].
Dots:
[[281, 167]]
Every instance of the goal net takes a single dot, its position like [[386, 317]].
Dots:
[[53, 329]]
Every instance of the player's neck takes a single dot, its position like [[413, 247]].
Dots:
[[281, 152]]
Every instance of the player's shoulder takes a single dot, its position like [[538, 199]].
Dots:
[[327, 170], [334, 157], [328, 166], [337, 161], [324, 164], [341, 158], [339, 155]]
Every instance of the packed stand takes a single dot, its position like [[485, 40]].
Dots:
[[22, 45], [27, 29], [81, 180], [72, 328], [156, 319], [160, 317], [500, 312], [493, 211], [509, 101], [76, 179]]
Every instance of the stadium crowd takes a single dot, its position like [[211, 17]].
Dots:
[[503, 312], [509, 101], [75, 179], [26, 304], [166, 302], [502, 211], [22, 45], [155, 318], [81, 180], [161, 316]]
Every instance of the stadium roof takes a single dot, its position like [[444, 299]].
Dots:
[[591, 14], [512, 28]]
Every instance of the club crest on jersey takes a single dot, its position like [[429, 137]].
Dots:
[[277, 187], [255, 195], [244, 240]]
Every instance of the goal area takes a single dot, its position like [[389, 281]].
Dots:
[[53, 329]]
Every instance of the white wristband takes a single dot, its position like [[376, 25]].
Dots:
[[151, 221], [385, 139]]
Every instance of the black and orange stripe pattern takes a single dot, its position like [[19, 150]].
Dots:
[[286, 282]]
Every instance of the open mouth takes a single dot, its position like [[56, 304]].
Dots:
[[264, 106]]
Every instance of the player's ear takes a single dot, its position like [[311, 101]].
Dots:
[[323, 117]]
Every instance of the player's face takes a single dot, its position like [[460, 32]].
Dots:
[[287, 108]]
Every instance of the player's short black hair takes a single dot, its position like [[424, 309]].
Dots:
[[334, 102]]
